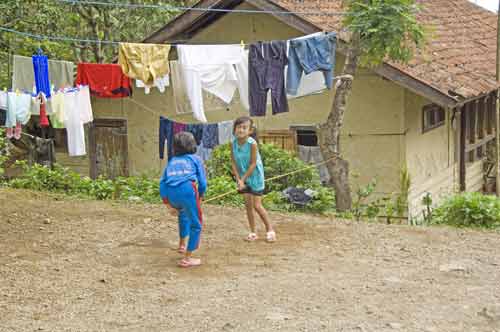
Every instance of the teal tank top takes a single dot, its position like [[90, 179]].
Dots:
[[242, 155]]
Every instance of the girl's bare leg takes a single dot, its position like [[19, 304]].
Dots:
[[261, 211]]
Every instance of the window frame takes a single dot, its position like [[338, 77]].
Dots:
[[434, 110]]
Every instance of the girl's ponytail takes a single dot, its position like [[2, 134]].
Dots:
[[255, 134]]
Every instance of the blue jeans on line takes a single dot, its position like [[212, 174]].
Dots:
[[308, 55]]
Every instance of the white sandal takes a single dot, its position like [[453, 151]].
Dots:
[[252, 237], [271, 236]]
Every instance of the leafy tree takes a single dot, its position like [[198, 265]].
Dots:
[[379, 30], [77, 21]]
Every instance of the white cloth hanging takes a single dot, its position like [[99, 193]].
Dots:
[[18, 109], [85, 106], [57, 117], [77, 112], [3, 99], [211, 68], [242, 73], [161, 83]]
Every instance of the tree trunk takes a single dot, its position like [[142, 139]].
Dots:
[[329, 132]]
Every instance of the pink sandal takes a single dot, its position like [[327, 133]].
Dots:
[[189, 262], [271, 236], [252, 237]]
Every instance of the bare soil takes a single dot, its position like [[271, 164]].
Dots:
[[77, 265]]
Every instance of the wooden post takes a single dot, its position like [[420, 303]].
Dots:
[[463, 129], [497, 115]]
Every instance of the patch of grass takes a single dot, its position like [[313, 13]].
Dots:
[[469, 210]]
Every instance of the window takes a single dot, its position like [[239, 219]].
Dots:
[[307, 138], [433, 116], [305, 135]]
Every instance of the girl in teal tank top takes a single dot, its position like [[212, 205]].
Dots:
[[249, 173]]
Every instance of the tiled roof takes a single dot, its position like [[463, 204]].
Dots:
[[461, 47]]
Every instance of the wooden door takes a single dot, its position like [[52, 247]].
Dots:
[[108, 148]]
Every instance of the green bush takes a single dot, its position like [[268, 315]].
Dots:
[[59, 179], [63, 180], [323, 202], [469, 210], [276, 162], [141, 188], [220, 185]]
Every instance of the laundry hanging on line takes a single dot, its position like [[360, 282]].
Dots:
[[77, 112], [147, 63], [105, 80], [61, 74], [160, 83], [41, 71], [19, 106], [213, 68], [18, 112], [313, 155], [73, 110], [271, 73], [309, 54], [41, 100], [207, 136], [181, 99], [219, 70], [266, 67], [58, 114]]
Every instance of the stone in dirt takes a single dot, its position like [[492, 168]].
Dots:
[[454, 267], [492, 313], [277, 316], [228, 326], [395, 326]]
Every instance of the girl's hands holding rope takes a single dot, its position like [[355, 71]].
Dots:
[[240, 184]]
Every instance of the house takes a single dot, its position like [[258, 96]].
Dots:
[[433, 116]]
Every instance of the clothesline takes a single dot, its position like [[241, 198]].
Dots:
[[240, 70], [171, 118], [209, 9], [111, 42]]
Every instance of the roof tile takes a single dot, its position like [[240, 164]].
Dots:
[[461, 55]]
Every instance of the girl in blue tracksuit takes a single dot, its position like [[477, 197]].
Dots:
[[181, 186]]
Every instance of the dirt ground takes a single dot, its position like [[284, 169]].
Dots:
[[76, 265]]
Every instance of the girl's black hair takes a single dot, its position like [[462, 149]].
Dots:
[[243, 119], [184, 143]]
